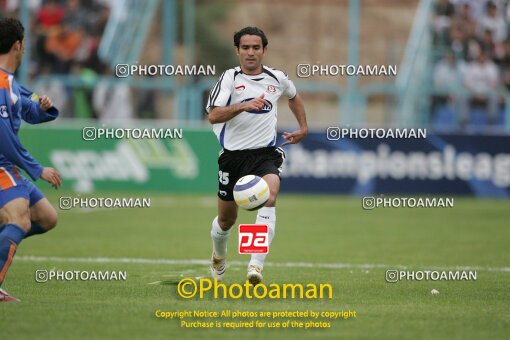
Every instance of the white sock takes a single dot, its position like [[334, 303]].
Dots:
[[265, 215], [219, 238]]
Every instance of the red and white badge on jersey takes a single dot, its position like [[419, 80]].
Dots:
[[271, 89], [253, 239]]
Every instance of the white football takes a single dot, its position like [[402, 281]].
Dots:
[[251, 192]]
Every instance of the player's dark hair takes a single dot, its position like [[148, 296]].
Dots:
[[250, 31], [11, 30]]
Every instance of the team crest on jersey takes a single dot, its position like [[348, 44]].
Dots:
[[34, 97], [271, 89], [239, 88], [265, 109], [3, 111]]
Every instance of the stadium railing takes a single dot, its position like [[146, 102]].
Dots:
[[414, 68], [126, 31]]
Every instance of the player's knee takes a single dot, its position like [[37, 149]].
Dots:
[[49, 221], [271, 202], [48, 218], [226, 222]]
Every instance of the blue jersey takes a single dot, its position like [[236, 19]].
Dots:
[[16, 103]]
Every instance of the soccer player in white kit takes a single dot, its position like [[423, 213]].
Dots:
[[242, 107]]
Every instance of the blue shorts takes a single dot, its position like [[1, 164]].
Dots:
[[13, 185]]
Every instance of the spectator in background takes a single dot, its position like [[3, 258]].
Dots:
[[503, 61], [443, 14], [444, 8], [465, 22], [477, 33], [50, 16], [66, 36], [87, 47], [69, 34], [76, 16], [481, 79], [448, 73], [488, 45], [493, 21], [459, 43], [48, 22], [503, 58], [447, 80], [506, 80], [464, 47], [476, 7], [62, 46]]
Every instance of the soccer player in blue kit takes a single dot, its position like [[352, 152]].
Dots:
[[243, 110], [24, 211]]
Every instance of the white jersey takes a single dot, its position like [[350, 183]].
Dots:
[[249, 129]]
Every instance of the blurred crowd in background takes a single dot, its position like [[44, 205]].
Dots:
[[65, 37], [65, 34], [470, 77], [472, 72]]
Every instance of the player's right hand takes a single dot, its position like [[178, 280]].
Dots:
[[52, 176], [45, 103], [256, 104]]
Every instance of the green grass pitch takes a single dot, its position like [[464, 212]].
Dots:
[[310, 229]]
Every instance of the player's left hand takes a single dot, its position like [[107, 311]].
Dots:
[[294, 137], [45, 103], [52, 176]]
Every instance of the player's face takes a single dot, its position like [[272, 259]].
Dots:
[[250, 53]]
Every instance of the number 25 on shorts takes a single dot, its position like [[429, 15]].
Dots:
[[223, 177]]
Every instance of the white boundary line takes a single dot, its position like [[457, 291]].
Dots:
[[244, 263]]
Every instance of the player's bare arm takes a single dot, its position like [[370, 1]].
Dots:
[[298, 109], [221, 114]]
